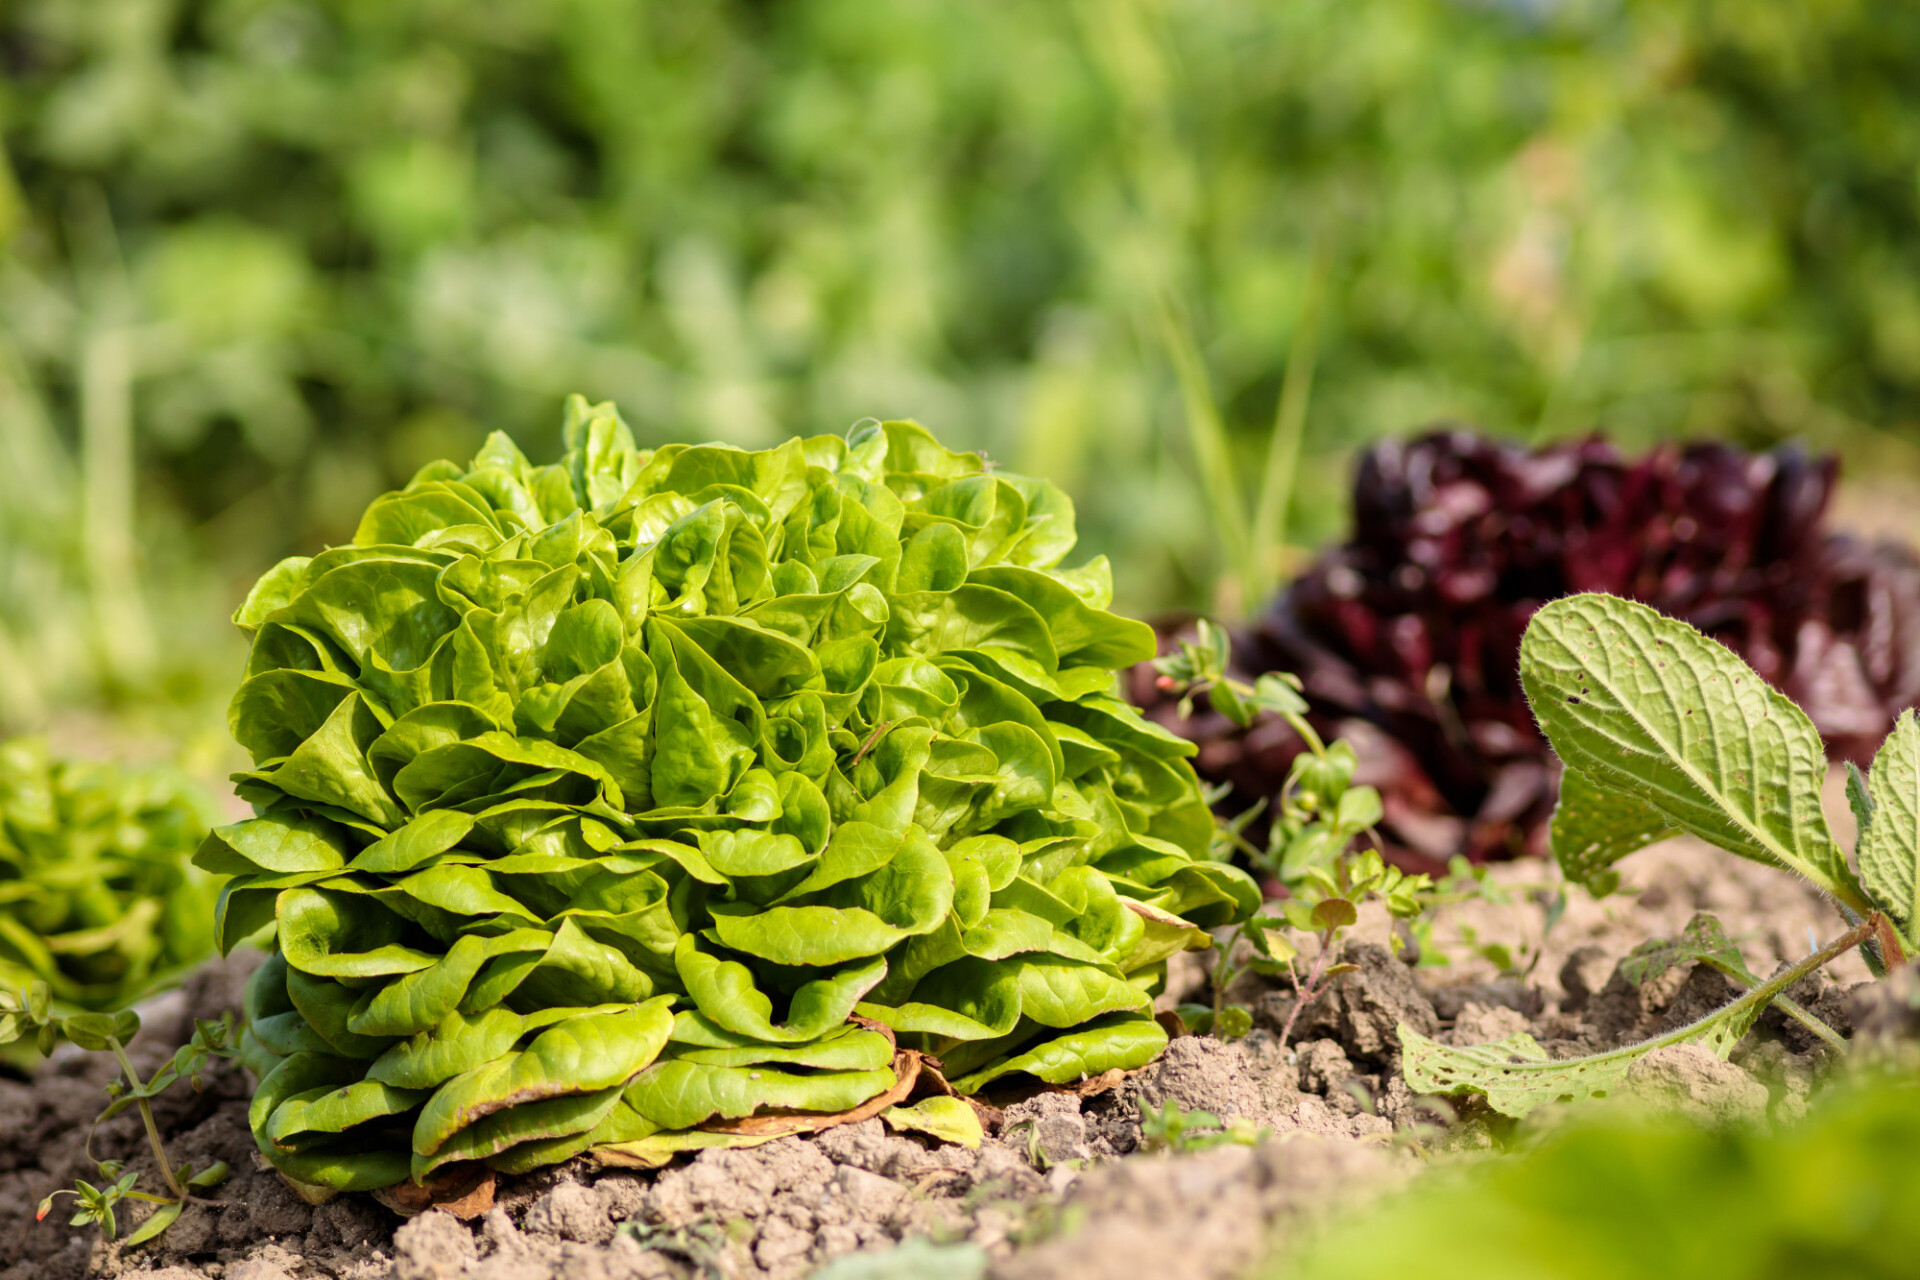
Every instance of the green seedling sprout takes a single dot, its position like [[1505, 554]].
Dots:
[[1319, 816], [1168, 1128], [29, 1012]]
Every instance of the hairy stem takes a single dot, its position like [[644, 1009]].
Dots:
[[1820, 959], [1759, 997], [1793, 1009]]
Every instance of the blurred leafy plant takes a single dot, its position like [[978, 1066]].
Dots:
[[98, 898], [1169, 1128], [1618, 1193], [28, 1013], [250, 248]]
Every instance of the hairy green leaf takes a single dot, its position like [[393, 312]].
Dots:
[[1890, 841], [1647, 707], [1516, 1076], [1704, 939]]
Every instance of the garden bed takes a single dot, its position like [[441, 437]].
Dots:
[[1064, 1186]]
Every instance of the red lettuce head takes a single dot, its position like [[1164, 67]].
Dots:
[[1407, 636]]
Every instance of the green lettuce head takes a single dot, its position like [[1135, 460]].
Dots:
[[611, 803], [97, 897]]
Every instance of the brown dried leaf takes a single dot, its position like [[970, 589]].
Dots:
[[464, 1190], [906, 1070]]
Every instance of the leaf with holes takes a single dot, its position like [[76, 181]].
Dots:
[[1594, 827], [1516, 1077], [1703, 940]]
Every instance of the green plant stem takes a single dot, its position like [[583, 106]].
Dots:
[[1213, 452], [1759, 997], [1304, 995], [146, 1118], [1283, 446], [1298, 723], [1812, 1022], [1792, 1008], [1222, 975], [1772, 987], [1225, 972]]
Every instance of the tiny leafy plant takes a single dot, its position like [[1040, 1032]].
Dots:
[[29, 1014], [1168, 1128], [673, 798], [98, 899], [1319, 815], [1465, 881], [1664, 731]]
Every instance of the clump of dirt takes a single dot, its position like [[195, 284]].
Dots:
[[1209, 1215], [1361, 1010], [1690, 1080], [1048, 1193]]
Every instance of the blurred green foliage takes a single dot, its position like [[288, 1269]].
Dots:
[[1617, 1195], [261, 258], [97, 897]]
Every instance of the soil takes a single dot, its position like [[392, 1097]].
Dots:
[[1064, 1187]]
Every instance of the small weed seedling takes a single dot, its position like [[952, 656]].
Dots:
[[29, 1013], [1664, 731], [1319, 816], [1467, 882], [1171, 1129]]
